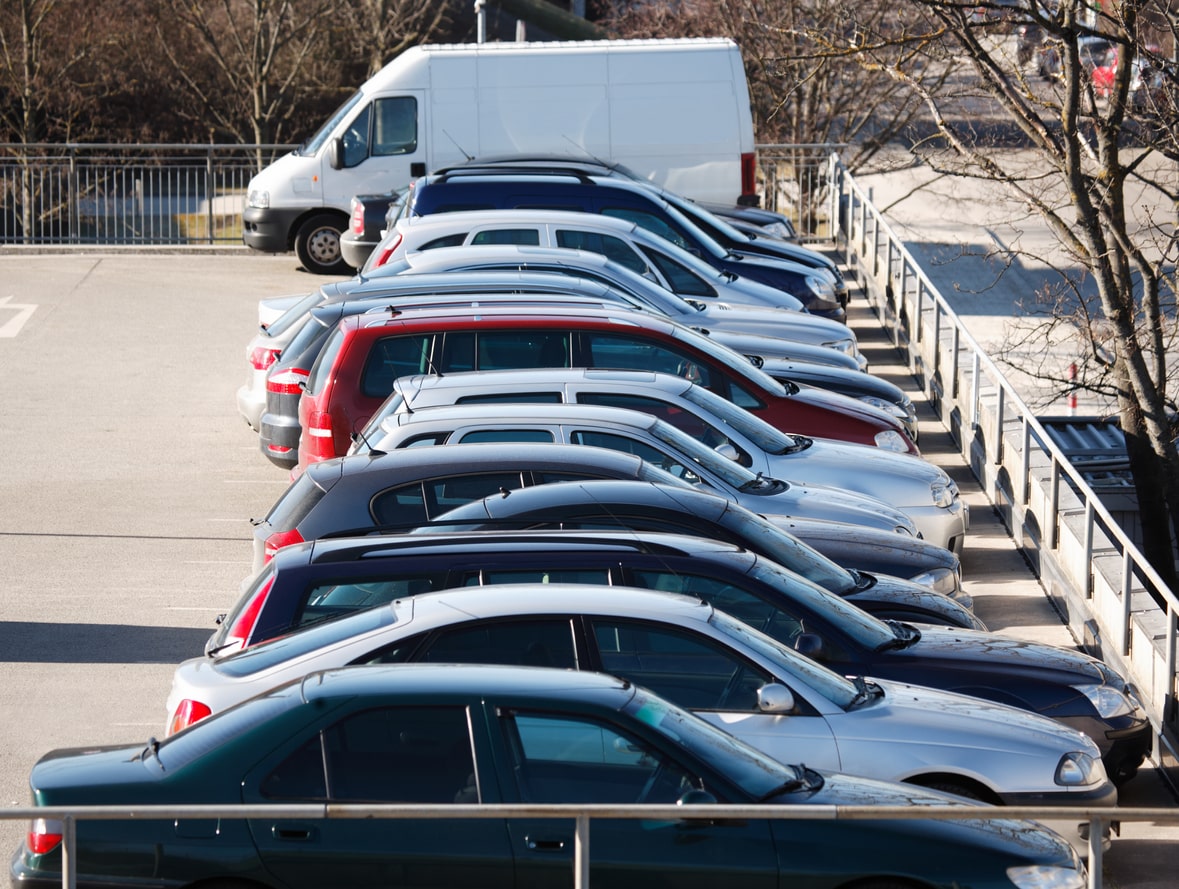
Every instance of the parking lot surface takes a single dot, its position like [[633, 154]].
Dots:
[[130, 480]]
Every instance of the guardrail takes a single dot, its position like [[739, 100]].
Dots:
[[582, 815], [1114, 602], [117, 194]]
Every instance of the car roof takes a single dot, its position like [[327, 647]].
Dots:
[[458, 282], [660, 544], [523, 215], [542, 315], [419, 462], [443, 258], [547, 414], [439, 682], [546, 378]]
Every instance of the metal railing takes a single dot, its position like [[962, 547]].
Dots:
[[1097, 818], [115, 194], [1115, 603]]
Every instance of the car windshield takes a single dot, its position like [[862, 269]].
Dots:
[[866, 630], [757, 430], [752, 771], [786, 549], [733, 474], [732, 359], [316, 142], [835, 688]]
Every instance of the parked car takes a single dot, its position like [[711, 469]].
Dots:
[[651, 506], [263, 350], [483, 735], [727, 323], [367, 222], [417, 487], [355, 371], [767, 223], [410, 488], [924, 492], [626, 242], [873, 390], [503, 187], [1064, 684], [632, 432], [697, 657], [739, 244]]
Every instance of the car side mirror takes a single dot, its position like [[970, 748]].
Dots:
[[774, 697], [809, 645], [335, 156], [726, 449]]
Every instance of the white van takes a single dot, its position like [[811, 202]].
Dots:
[[674, 111]]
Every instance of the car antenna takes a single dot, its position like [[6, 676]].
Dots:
[[597, 160], [462, 151], [372, 452]]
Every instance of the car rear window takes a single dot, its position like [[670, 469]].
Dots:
[[295, 503]]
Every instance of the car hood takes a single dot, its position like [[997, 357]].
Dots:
[[954, 647], [830, 504], [775, 347], [888, 589], [899, 478]]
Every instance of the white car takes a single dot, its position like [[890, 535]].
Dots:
[[279, 319], [651, 438], [626, 242], [924, 492], [721, 319], [685, 650]]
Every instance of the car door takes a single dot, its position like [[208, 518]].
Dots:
[[575, 758], [380, 754], [715, 681]]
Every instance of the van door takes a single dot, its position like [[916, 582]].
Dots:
[[375, 150]]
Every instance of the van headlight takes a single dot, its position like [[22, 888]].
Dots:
[[258, 198], [891, 440], [1047, 876], [1078, 769]]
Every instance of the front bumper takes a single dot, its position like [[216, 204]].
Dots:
[[270, 230], [945, 526]]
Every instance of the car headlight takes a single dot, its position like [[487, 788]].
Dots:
[[777, 230], [1047, 876], [944, 493], [891, 440], [883, 404], [946, 581], [1109, 702], [820, 287], [1078, 769], [846, 346], [258, 198]]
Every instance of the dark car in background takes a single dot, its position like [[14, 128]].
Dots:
[[371, 215], [450, 734]]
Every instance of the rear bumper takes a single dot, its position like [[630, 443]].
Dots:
[[355, 249]]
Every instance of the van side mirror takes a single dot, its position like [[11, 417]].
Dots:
[[336, 154]]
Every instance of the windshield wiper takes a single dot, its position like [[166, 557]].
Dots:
[[904, 635], [865, 692], [798, 782]]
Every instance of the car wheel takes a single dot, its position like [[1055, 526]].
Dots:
[[317, 244]]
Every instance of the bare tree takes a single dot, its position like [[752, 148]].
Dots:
[[378, 30], [1095, 161]]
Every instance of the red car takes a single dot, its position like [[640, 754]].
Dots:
[[355, 371]]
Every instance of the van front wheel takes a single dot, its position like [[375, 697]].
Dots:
[[317, 244]]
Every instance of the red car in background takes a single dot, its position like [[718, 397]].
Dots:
[[354, 373]]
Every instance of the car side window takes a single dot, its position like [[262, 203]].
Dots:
[[686, 668], [741, 604], [444, 241], [566, 759], [631, 353], [608, 246], [411, 504], [486, 577], [683, 280], [383, 755], [395, 126], [392, 357], [331, 600], [648, 453], [528, 237], [683, 420], [523, 350], [530, 643], [501, 435], [355, 138]]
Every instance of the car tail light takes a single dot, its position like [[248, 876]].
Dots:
[[382, 256], [357, 224], [273, 448], [44, 835], [261, 357], [748, 175], [243, 622], [287, 382], [186, 714], [278, 540], [319, 443]]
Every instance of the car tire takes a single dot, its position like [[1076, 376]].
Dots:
[[317, 244]]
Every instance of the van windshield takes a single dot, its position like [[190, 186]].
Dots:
[[311, 146]]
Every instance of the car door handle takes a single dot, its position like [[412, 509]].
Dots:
[[546, 844], [293, 833]]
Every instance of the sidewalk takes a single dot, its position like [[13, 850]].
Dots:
[[1007, 595]]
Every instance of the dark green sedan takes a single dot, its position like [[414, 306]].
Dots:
[[481, 734]]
